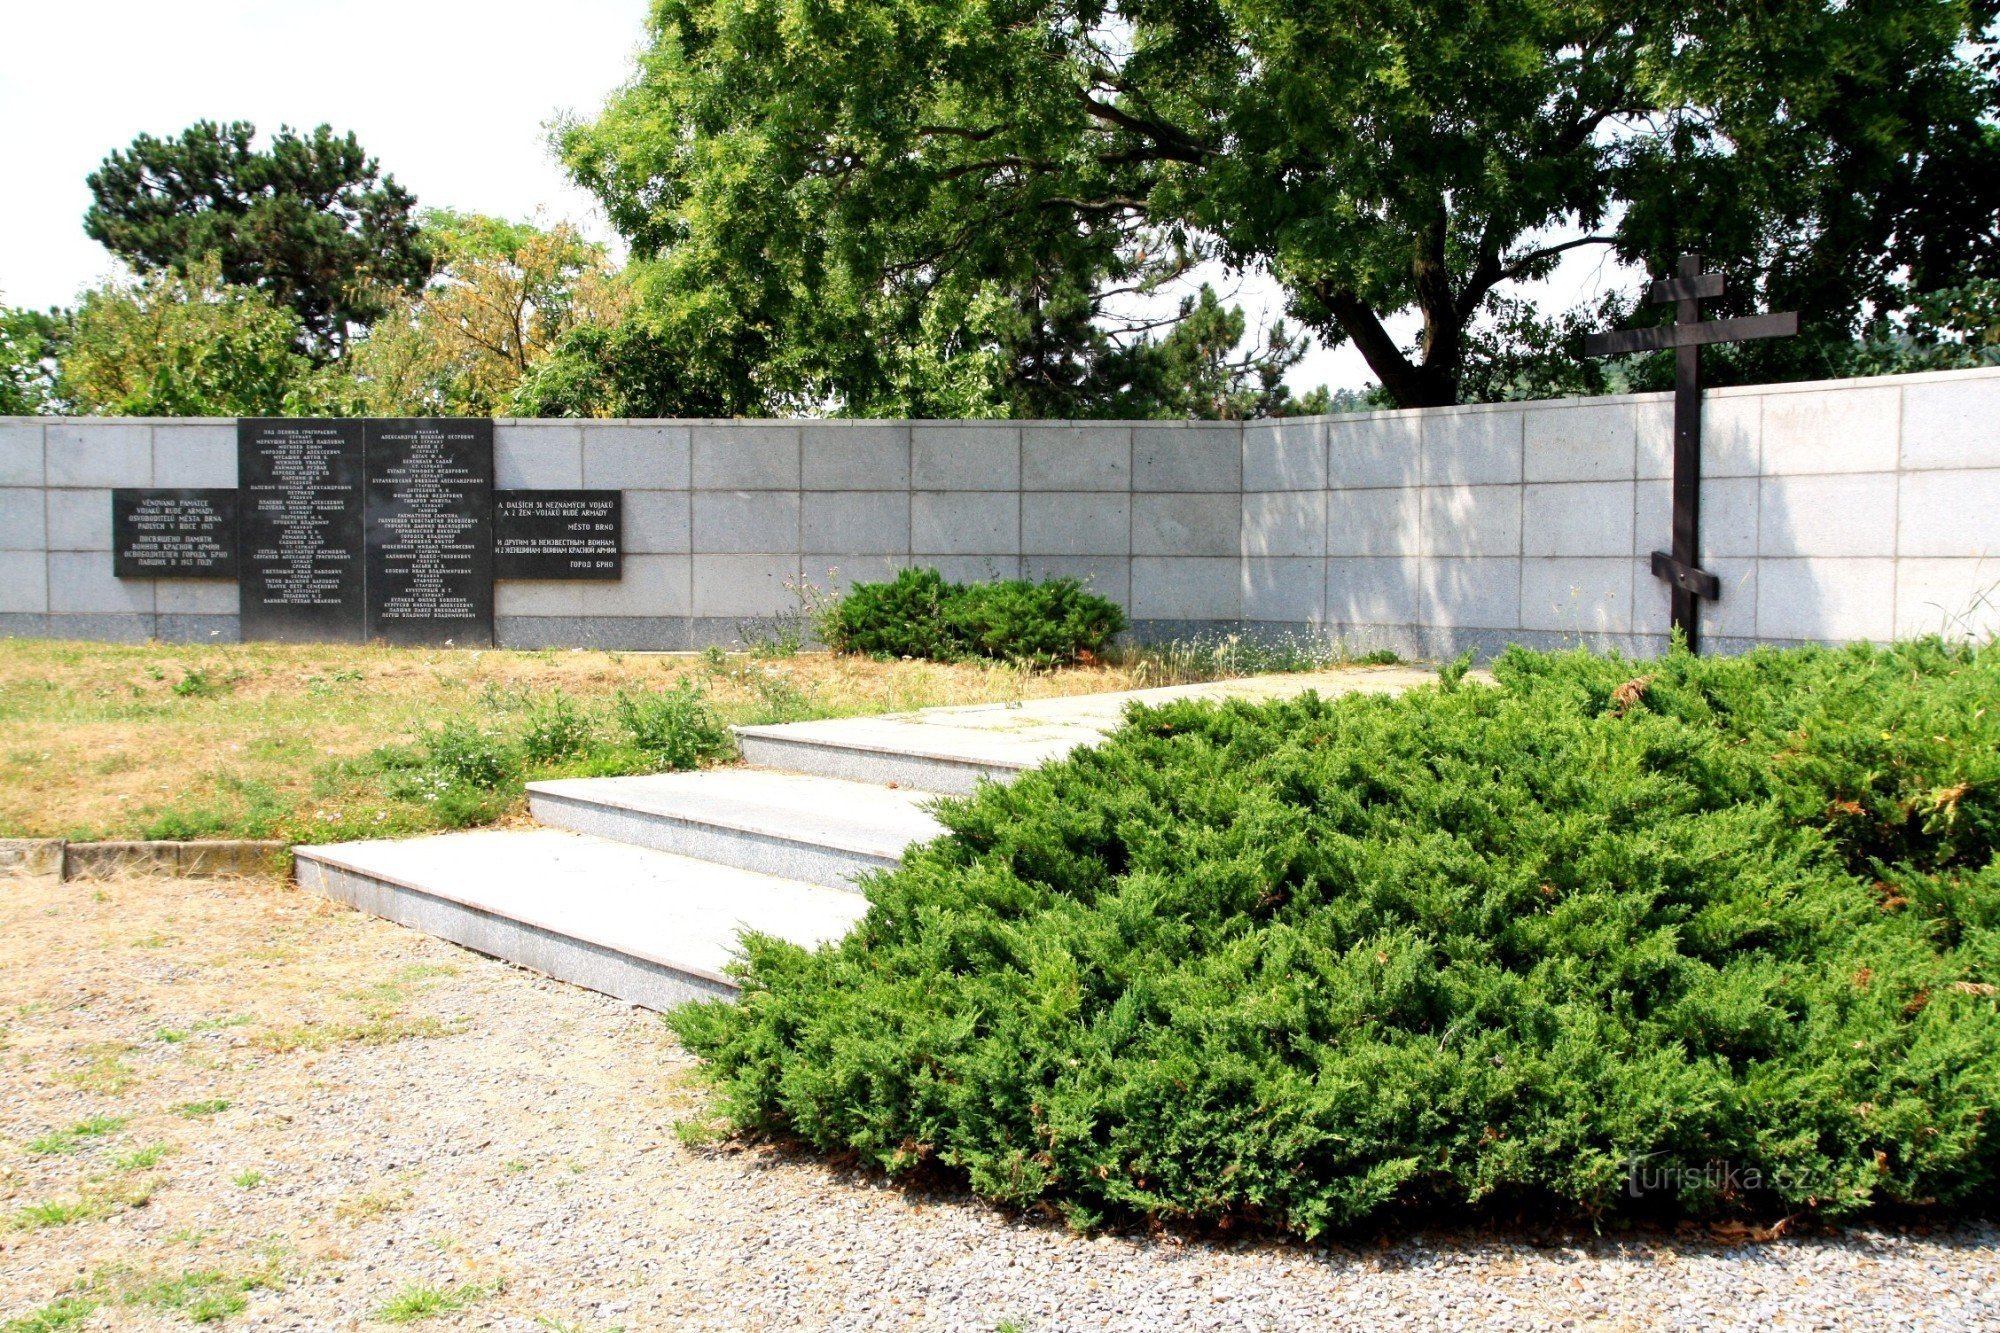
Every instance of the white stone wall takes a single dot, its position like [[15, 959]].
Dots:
[[1860, 509]]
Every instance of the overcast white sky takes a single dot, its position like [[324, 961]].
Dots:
[[452, 96]]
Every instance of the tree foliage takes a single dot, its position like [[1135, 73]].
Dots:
[[308, 220], [184, 345], [30, 342], [1299, 964], [503, 296], [813, 176]]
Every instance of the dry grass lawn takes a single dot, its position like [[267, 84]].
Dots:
[[263, 740]]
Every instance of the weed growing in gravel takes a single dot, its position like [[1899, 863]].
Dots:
[[55, 1213], [423, 1301], [247, 1180], [199, 1110], [142, 1159], [204, 1296], [63, 1312], [71, 1139]]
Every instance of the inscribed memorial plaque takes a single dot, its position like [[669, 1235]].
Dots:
[[173, 533], [430, 531], [556, 534], [299, 520]]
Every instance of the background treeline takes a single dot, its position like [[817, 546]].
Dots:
[[935, 208]]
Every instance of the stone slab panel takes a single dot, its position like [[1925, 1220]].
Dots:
[[79, 520], [538, 457], [1471, 593], [98, 454], [1284, 523], [1959, 599], [856, 456], [1731, 437], [81, 581], [23, 519], [1374, 451], [837, 571], [1106, 575], [1580, 442], [1076, 458], [24, 581], [1584, 518], [860, 522], [746, 585], [1471, 520], [965, 523], [1286, 590], [1826, 599], [965, 458], [21, 453], [1953, 424], [1373, 522], [537, 597], [1832, 430], [650, 585], [174, 627], [657, 522], [202, 455], [1373, 591], [1577, 596], [1728, 517], [195, 597], [625, 457], [639, 634], [31, 857], [1469, 447], [744, 522], [1950, 513], [746, 457], [971, 568], [1284, 456], [1076, 523], [1187, 458], [104, 626], [1187, 525], [1186, 588], [1849, 514]]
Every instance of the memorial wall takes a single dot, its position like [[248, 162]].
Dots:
[[1857, 509]]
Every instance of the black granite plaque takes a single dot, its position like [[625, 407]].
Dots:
[[299, 530], [557, 534], [173, 534], [430, 532]]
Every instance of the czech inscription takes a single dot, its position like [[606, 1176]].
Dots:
[[430, 531], [173, 534], [556, 534], [300, 530]]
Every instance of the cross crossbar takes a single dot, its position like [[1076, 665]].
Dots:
[[1662, 336], [1685, 289]]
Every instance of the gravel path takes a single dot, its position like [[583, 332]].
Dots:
[[408, 1121]]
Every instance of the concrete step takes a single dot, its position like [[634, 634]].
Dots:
[[648, 927], [819, 829], [950, 749]]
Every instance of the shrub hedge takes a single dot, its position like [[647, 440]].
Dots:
[[919, 614], [1728, 929]]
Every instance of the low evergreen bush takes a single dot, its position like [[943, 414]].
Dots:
[[1721, 932], [920, 614]]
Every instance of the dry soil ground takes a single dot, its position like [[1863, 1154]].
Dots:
[[230, 1101]]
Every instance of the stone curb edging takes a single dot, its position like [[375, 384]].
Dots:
[[101, 860]]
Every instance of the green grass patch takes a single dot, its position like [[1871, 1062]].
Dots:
[[201, 1110], [1694, 936], [63, 1312], [76, 1136], [421, 1301]]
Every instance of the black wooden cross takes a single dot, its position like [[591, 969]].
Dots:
[[1681, 567]]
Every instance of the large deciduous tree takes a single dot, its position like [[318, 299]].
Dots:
[[309, 220], [800, 167]]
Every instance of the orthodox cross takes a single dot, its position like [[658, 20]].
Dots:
[[1689, 286]]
